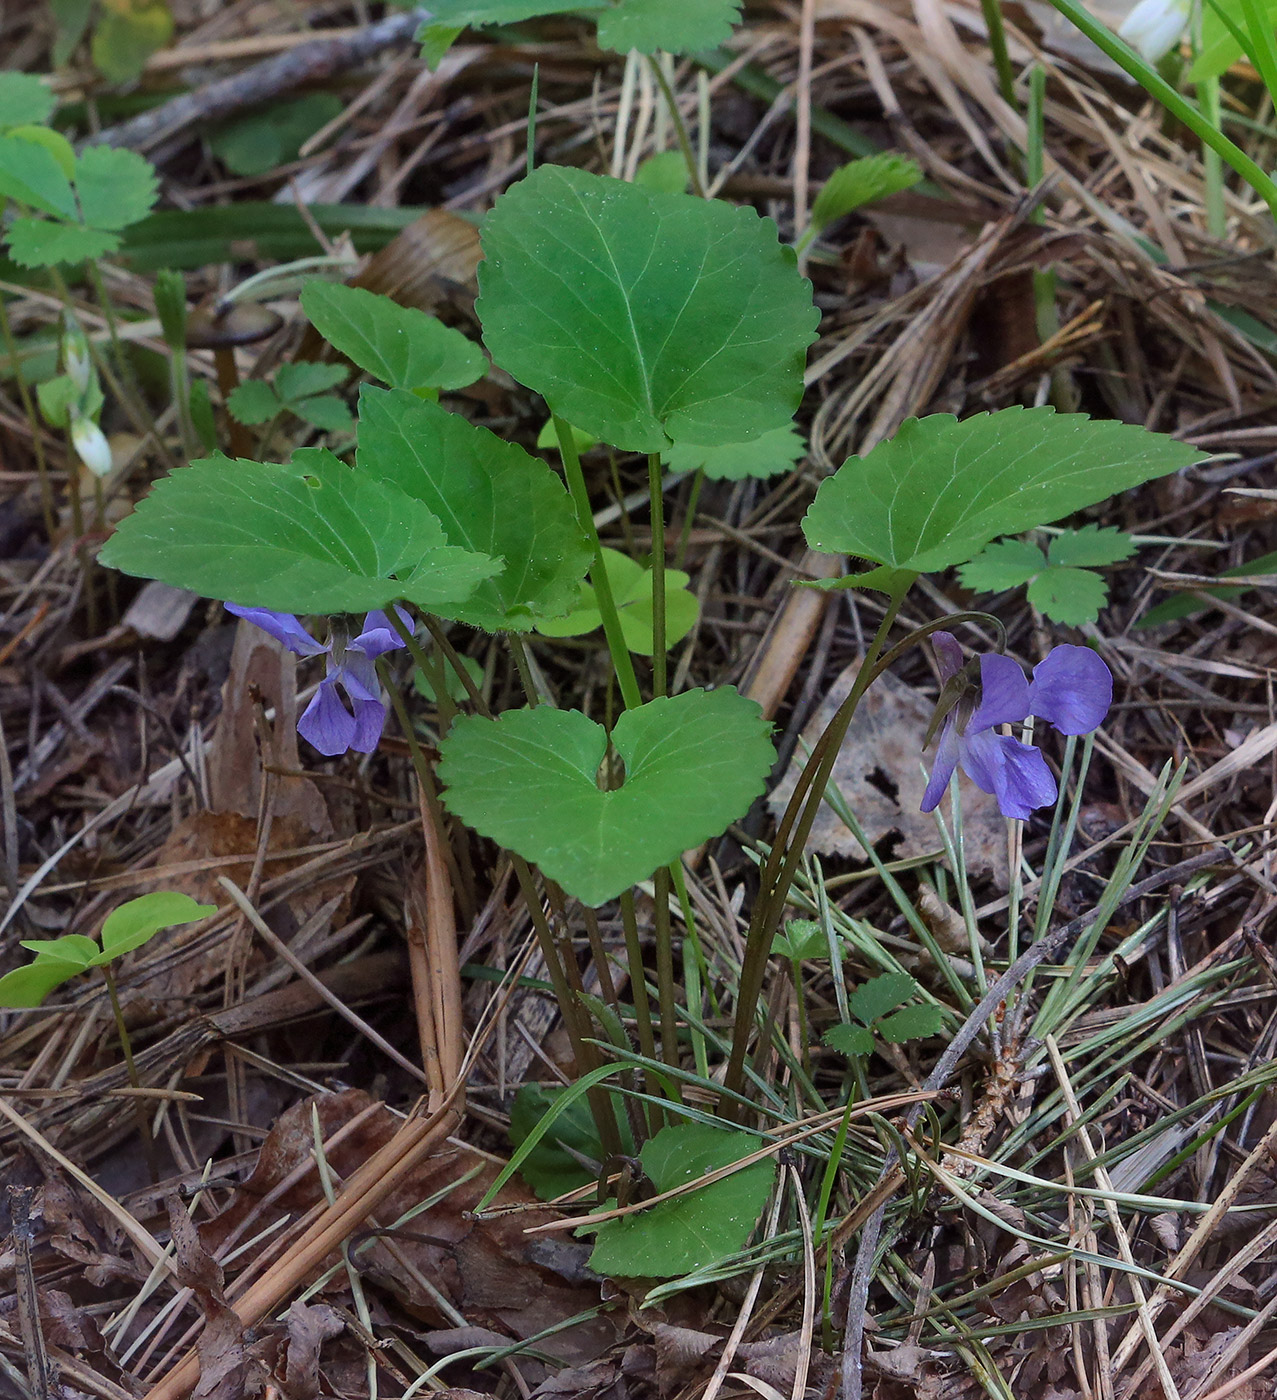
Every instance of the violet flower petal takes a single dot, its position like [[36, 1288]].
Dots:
[[358, 676], [1072, 688], [948, 654], [370, 720], [378, 635], [946, 762], [1004, 693], [327, 724], [1015, 774], [284, 627]]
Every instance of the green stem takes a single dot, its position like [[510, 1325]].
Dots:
[[29, 408], [1179, 107], [1262, 47], [689, 519], [992, 10], [621, 660], [524, 667], [665, 987], [449, 652], [126, 1045], [784, 857], [659, 677], [638, 988], [680, 127]]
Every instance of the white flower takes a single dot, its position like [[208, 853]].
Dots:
[[1154, 27], [91, 445]]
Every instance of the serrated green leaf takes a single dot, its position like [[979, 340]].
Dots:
[[861, 182], [1004, 564], [776, 451], [490, 496], [127, 35], [138, 920], [326, 412], [1090, 547], [632, 593], [31, 175], [666, 171], [646, 25], [53, 141], [695, 1230], [1069, 596], [693, 763], [116, 187], [435, 41], [46, 243], [399, 345], [911, 1023], [849, 1040], [253, 402], [310, 537], [302, 379], [28, 986], [1186, 604], [638, 315], [24, 98], [936, 493], [881, 994]]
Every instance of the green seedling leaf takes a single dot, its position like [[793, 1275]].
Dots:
[[24, 99], [202, 414], [310, 537], [803, 938], [28, 986], [642, 317], [877, 996], [491, 496], [1069, 596], [936, 493], [73, 949], [139, 920], [253, 402], [548, 438], [1186, 604], [911, 1023], [169, 291], [646, 25], [553, 1166], [861, 182], [399, 345], [1002, 565], [31, 174], [776, 451], [529, 780], [849, 1040], [44, 243], [1090, 547], [692, 1231], [126, 35], [665, 172], [115, 187], [302, 378], [632, 592], [274, 135]]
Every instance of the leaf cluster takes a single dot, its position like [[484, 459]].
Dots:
[[873, 1005], [1062, 582]]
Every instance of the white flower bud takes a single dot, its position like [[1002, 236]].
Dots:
[[91, 445], [1154, 27], [75, 355]]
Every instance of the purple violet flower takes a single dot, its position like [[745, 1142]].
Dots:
[[328, 723], [1072, 688]]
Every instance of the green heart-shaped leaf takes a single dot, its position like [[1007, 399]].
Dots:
[[632, 594], [642, 316], [311, 537], [693, 763], [940, 489], [691, 1231], [489, 495], [399, 345]]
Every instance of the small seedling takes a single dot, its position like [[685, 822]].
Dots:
[[300, 388], [874, 1005]]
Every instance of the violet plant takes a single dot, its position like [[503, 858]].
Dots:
[[659, 324]]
